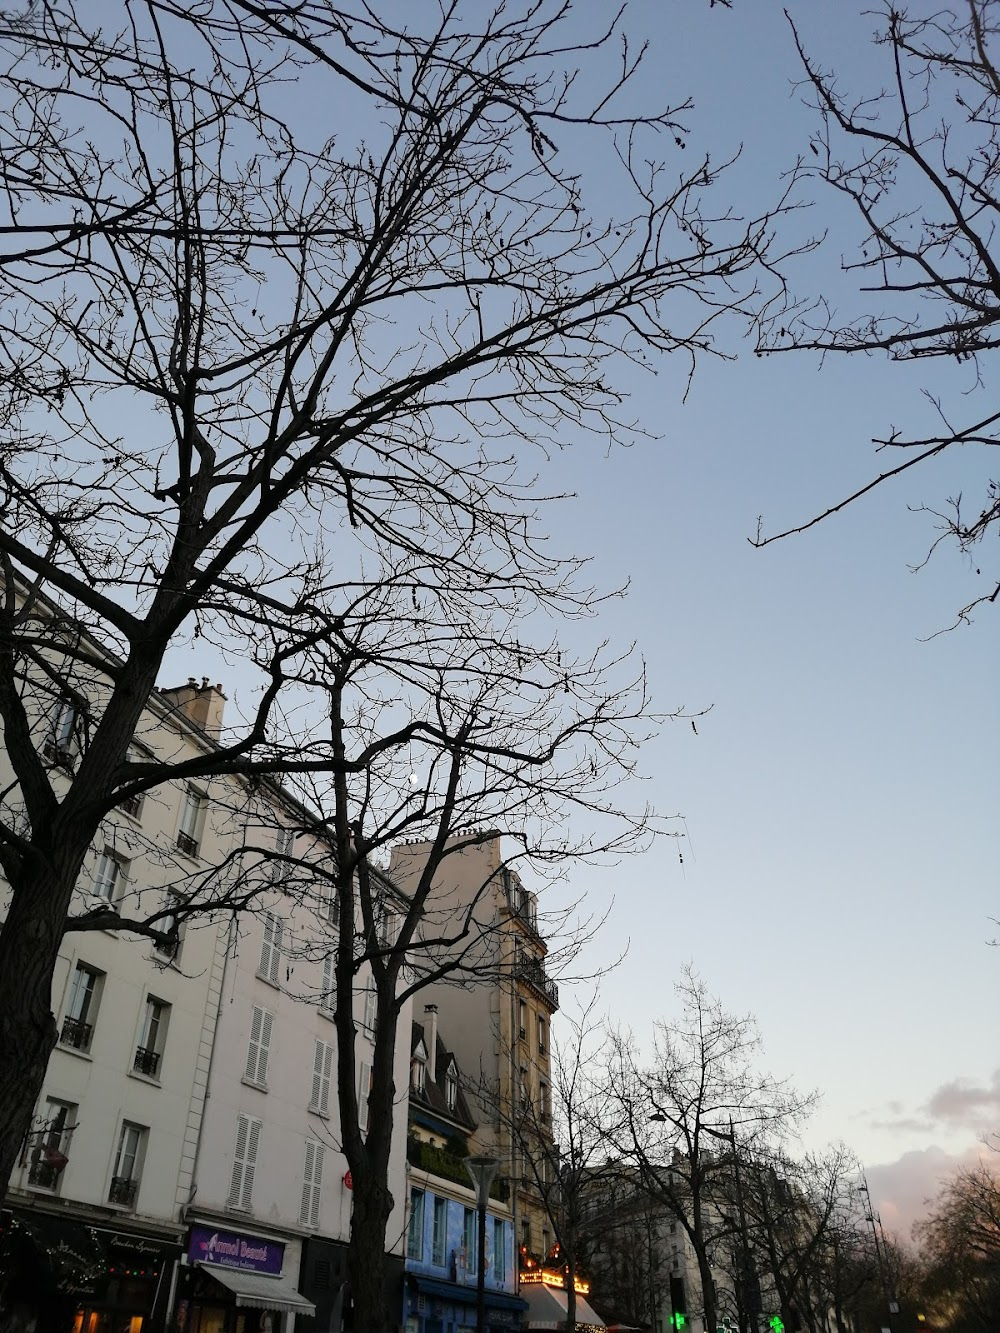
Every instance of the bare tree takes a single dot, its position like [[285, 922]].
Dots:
[[274, 395], [919, 163], [960, 1251], [688, 1120]]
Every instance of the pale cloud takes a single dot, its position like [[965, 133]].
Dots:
[[902, 1191], [961, 1102]]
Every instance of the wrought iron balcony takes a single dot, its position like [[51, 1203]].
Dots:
[[76, 1033], [44, 1174], [146, 1061], [187, 844], [532, 971], [123, 1190]]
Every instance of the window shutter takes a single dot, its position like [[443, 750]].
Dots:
[[270, 948], [364, 1087], [371, 1008], [326, 999], [312, 1183], [327, 1070], [239, 1161], [265, 1044], [253, 1050], [253, 1139]]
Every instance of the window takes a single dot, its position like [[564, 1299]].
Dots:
[[244, 1163], [110, 876], [469, 1239], [61, 742], [81, 1009], [270, 949], [523, 1085], [280, 869], [546, 1243], [132, 805], [415, 1230], [312, 1181], [170, 924], [543, 1102], [257, 1051], [330, 904], [192, 821], [322, 1067], [418, 1074], [151, 1038], [328, 985], [128, 1164], [499, 1252], [50, 1145], [371, 1010], [364, 1089], [388, 928], [541, 1034], [525, 1234], [451, 1088], [440, 1231], [522, 1020]]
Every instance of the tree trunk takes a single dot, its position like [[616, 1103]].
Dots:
[[707, 1291], [29, 946], [366, 1256]]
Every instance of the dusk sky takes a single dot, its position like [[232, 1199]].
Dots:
[[839, 876], [839, 798]]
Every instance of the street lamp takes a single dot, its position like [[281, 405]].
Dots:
[[482, 1170]]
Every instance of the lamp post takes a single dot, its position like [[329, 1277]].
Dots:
[[482, 1170]]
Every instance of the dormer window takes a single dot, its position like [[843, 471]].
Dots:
[[451, 1088], [418, 1073]]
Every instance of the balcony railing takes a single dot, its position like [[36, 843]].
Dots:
[[146, 1061], [532, 971], [123, 1190], [76, 1033], [187, 844], [132, 805], [44, 1174]]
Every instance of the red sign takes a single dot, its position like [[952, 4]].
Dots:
[[348, 1180]]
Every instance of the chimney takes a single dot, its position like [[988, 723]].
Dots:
[[201, 704], [431, 1029]]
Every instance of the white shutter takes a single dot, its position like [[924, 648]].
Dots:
[[329, 981], [364, 1087], [322, 1067], [265, 1045], [371, 1008], [253, 1139], [312, 1183], [244, 1159], [253, 1049], [270, 948]]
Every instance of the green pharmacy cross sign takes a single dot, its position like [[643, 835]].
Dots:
[[678, 1320], [775, 1324]]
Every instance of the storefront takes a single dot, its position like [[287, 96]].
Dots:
[[69, 1276], [235, 1282], [433, 1306]]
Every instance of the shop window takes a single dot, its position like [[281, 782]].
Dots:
[[259, 1047], [322, 1068], [244, 1163], [469, 1239], [415, 1229], [270, 949], [152, 1037], [312, 1182], [81, 1009], [499, 1251], [128, 1164]]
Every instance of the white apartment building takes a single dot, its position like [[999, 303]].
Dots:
[[184, 1162]]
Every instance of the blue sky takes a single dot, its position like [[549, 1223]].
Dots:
[[840, 797]]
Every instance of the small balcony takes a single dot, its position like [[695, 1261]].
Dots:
[[532, 971], [76, 1033], [123, 1191], [146, 1062], [187, 844], [44, 1174]]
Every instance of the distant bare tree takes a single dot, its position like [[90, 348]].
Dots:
[[960, 1251], [690, 1116], [276, 396], [919, 162]]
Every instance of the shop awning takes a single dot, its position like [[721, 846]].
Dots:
[[260, 1292], [452, 1291], [547, 1308]]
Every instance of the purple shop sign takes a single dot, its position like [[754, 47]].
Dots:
[[228, 1249]]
